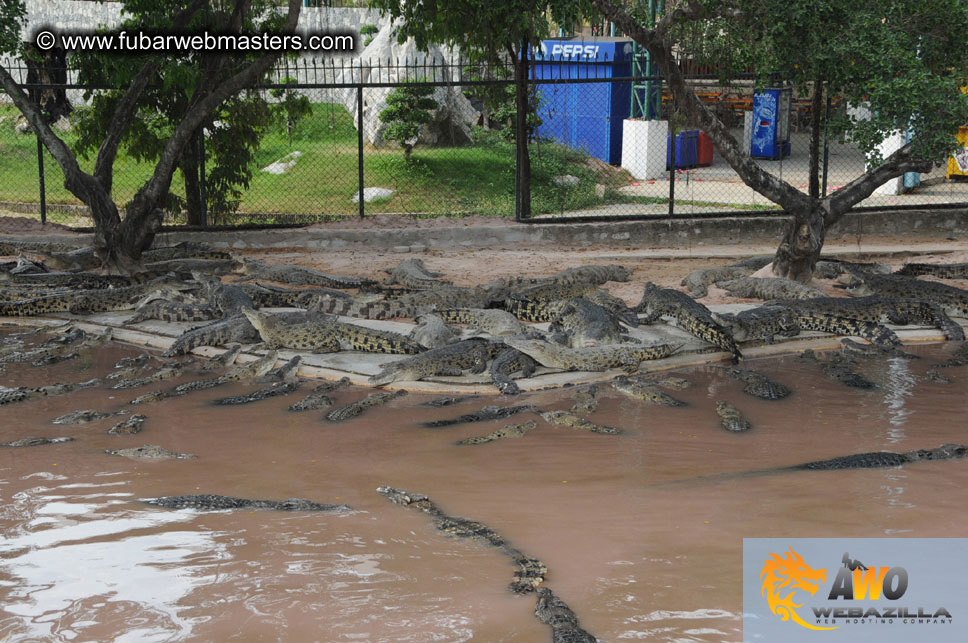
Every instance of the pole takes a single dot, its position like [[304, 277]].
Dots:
[[40, 175], [672, 168], [359, 138], [201, 178], [826, 150]]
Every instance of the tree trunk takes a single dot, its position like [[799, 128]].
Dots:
[[815, 105], [800, 247], [189, 166], [523, 192], [50, 68]]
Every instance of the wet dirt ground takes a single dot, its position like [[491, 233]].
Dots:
[[636, 544]]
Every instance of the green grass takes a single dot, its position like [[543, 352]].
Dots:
[[438, 181]]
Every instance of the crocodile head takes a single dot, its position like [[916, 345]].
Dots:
[[255, 318]]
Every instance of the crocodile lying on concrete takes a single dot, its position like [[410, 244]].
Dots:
[[356, 408], [490, 320], [730, 418], [299, 276], [831, 269], [318, 398], [942, 270], [132, 425], [595, 275], [554, 612], [486, 414], [185, 250], [893, 310], [689, 314], [323, 333], [232, 329], [34, 442], [697, 282], [953, 301], [572, 421], [508, 362], [639, 390], [531, 572], [23, 393], [208, 266], [410, 305], [432, 332], [757, 384], [209, 502], [838, 368], [412, 273], [600, 358], [770, 288], [872, 460], [586, 325], [80, 280], [87, 301], [552, 291], [767, 321], [150, 452], [469, 354], [509, 431]]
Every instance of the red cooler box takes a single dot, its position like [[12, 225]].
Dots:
[[704, 150]]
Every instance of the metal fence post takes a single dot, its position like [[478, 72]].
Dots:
[[826, 151], [40, 175], [359, 138], [201, 182], [672, 169]]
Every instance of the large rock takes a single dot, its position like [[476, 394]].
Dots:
[[386, 61]]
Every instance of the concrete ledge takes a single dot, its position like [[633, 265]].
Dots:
[[660, 232]]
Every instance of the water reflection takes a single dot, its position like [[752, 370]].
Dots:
[[900, 381], [70, 565]]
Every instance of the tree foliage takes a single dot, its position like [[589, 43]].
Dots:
[[408, 109]]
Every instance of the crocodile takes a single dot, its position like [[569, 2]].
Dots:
[[893, 310], [689, 314], [554, 612], [368, 402], [72, 341], [508, 362], [12, 248], [753, 263], [320, 332], [595, 275], [208, 266], [958, 358], [491, 321], [132, 425], [757, 384], [77, 259], [432, 332], [165, 372], [81, 280], [23, 393], [171, 311], [226, 359], [151, 396], [137, 360], [210, 502], [838, 368], [698, 281], [287, 372], [318, 398], [767, 321], [601, 358], [586, 400], [954, 301], [871, 460], [614, 305], [770, 288], [486, 414], [274, 390], [469, 354], [570, 420], [411, 305], [530, 572], [509, 431], [232, 329], [250, 370], [150, 452], [85, 416], [677, 383], [941, 270], [34, 442], [264, 296], [874, 350], [299, 276], [832, 268], [639, 390], [87, 301], [586, 325], [185, 250], [552, 291], [413, 274], [448, 400], [931, 375], [730, 418]]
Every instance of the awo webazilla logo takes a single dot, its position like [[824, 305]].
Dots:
[[797, 591]]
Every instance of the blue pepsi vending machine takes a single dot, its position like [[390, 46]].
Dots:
[[771, 123], [584, 116]]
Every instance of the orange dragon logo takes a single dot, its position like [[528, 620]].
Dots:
[[789, 572]]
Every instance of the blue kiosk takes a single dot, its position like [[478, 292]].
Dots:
[[584, 116], [771, 123]]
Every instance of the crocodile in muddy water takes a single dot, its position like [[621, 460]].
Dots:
[[358, 407], [150, 452], [209, 502], [509, 431], [486, 414]]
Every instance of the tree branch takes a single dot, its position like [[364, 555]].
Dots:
[[901, 161], [691, 11], [108, 150]]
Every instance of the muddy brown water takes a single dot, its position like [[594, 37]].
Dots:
[[83, 559]]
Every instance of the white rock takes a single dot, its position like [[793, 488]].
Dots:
[[284, 164], [371, 194], [566, 179]]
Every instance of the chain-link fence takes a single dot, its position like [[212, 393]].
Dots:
[[292, 152]]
